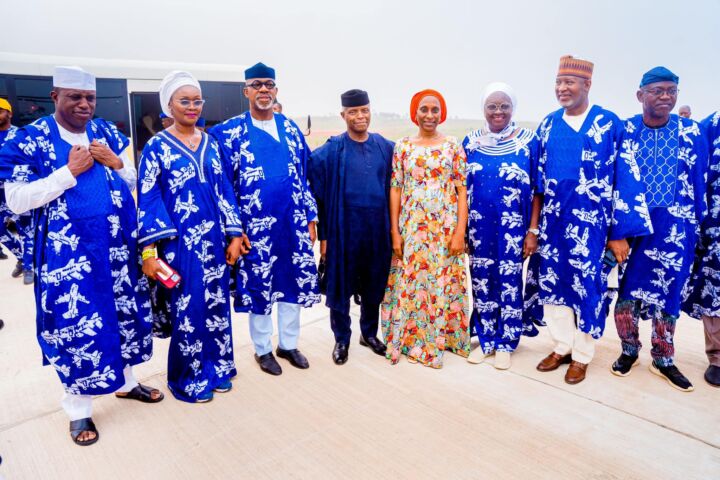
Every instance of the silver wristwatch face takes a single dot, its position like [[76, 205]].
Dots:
[[534, 231]]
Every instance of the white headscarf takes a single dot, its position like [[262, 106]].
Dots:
[[171, 83], [488, 138]]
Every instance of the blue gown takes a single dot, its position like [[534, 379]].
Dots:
[[351, 184], [187, 208], [703, 294], [673, 164], [270, 182], [93, 304], [591, 196], [11, 241], [502, 181]]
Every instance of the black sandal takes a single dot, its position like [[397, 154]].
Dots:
[[141, 393], [83, 425]]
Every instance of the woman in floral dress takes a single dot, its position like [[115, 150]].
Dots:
[[424, 311]]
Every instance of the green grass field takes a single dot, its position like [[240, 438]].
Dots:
[[388, 125]]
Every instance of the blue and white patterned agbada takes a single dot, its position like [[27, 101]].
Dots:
[[187, 208], [704, 286], [502, 181], [673, 161], [270, 181], [592, 195], [93, 304]]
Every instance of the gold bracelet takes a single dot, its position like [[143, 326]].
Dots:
[[149, 253]]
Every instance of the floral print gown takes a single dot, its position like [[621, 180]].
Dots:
[[424, 311]]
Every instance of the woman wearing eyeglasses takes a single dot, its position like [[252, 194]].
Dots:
[[424, 312], [189, 219], [504, 196]]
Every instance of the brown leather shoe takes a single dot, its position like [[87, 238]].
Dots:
[[553, 361], [576, 372]]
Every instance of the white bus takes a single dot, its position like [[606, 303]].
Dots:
[[126, 90]]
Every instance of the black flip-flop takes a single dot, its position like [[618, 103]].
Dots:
[[142, 393], [83, 425]]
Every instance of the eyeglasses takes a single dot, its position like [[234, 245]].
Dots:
[[195, 103], [494, 107], [257, 84], [659, 92]]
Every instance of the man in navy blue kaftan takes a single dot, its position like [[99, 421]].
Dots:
[[671, 154], [93, 305], [350, 179], [592, 199], [268, 167]]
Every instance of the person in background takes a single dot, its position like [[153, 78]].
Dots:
[[684, 111]]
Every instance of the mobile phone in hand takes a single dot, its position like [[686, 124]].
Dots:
[[168, 277]]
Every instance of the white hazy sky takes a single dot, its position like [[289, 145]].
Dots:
[[393, 48]]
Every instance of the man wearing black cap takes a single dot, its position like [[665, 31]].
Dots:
[[350, 179], [268, 157], [670, 154]]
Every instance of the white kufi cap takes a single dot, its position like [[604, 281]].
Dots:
[[73, 77]]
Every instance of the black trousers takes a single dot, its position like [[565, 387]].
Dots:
[[340, 322]]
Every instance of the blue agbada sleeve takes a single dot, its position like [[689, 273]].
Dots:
[[630, 216], [153, 219], [700, 172], [311, 210], [317, 170], [536, 178], [117, 141], [18, 158], [230, 213]]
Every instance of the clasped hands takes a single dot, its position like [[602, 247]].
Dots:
[[81, 158]]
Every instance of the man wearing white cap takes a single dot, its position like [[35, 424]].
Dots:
[[93, 315]]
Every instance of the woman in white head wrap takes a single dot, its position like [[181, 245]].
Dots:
[[504, 199], [188, 216]]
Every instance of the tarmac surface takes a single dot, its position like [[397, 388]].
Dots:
[[367, 418]]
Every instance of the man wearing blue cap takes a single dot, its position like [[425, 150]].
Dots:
[[670, 154], [350, 178], [268, 165], [704, 299]]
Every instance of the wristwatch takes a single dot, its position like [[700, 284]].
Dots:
[[534, 231]]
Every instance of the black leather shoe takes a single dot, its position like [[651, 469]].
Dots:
[[293, 356], [374, 344], [3, 255], [268, 364], [340, 353], [712, 375]]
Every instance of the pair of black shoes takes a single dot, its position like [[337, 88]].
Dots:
[[340, 352], [268, 364], [670, 374]]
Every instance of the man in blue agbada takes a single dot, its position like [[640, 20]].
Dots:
[[704, 293], [670, 154], [593, 200], [350, 179], [268, 160], [93, 306], [20, 242]]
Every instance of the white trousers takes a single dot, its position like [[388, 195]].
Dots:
[[78, 407], [261, 328], [567, 337]]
